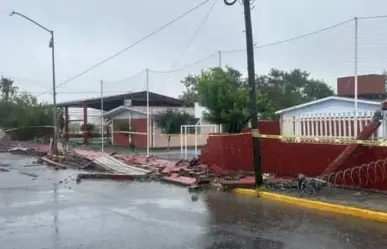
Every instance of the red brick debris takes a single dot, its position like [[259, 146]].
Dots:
[[183, 172]]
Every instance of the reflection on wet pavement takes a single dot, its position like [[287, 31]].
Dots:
[[44, 213]]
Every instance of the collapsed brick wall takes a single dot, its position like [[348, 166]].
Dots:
[[286, 159]]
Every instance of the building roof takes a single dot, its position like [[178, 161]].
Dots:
[[363, 101], [138, 99], [116, 111]]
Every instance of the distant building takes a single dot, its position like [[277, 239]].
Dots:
[[126, 114], [335, 116], [370, 87]]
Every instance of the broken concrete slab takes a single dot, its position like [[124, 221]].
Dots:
[[112, 164]]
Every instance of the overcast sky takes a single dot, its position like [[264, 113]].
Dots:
[[88, 31]]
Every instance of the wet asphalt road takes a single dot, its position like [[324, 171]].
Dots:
[[44, 213]]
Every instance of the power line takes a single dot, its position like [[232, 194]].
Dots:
[[28, 92], [188, 45], [293, 38], [371, 17], [125, 79], [260, 46], [85, 91], [191, 40], [213, 54], [128, 78], [186, 66], [21, 79], [134, 44]]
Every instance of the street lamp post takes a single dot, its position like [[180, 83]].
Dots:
[[52, 46], [252, 85]]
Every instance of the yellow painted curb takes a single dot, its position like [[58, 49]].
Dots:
[[324, 206]]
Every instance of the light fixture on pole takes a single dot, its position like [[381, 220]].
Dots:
[[52, 46]]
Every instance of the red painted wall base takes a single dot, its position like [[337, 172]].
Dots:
[[287, 159], [139, 140]]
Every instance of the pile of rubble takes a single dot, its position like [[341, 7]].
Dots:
[[118, 166], [70, 160], [62, 160], [187, 172], [123, 167]]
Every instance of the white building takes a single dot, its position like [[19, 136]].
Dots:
[[134, 119], [330, 117]]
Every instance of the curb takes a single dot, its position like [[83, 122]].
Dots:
[[319, 205]]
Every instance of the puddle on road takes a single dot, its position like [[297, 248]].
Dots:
[[149, 218], [180, 204], [71, 217], [163, 203], [34, 199]]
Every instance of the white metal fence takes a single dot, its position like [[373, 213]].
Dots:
[[328, 125], [194, 136]]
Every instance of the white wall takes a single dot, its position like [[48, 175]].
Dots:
[[342, 112], [199, 110], [332, 106]]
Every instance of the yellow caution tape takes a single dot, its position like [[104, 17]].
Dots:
[[334, 140], [130, 132], [191, 134], [287, 138], [228, 134]]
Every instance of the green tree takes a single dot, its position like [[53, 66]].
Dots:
[[286, 89], [190, 93], [91, 130], [171, 120], [7, 88], [225, 94], [384, 73], [23, 114]]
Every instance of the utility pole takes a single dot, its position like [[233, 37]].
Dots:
[[55, 117], [252, 85]]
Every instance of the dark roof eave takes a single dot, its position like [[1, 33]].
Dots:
[[139, 96]]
